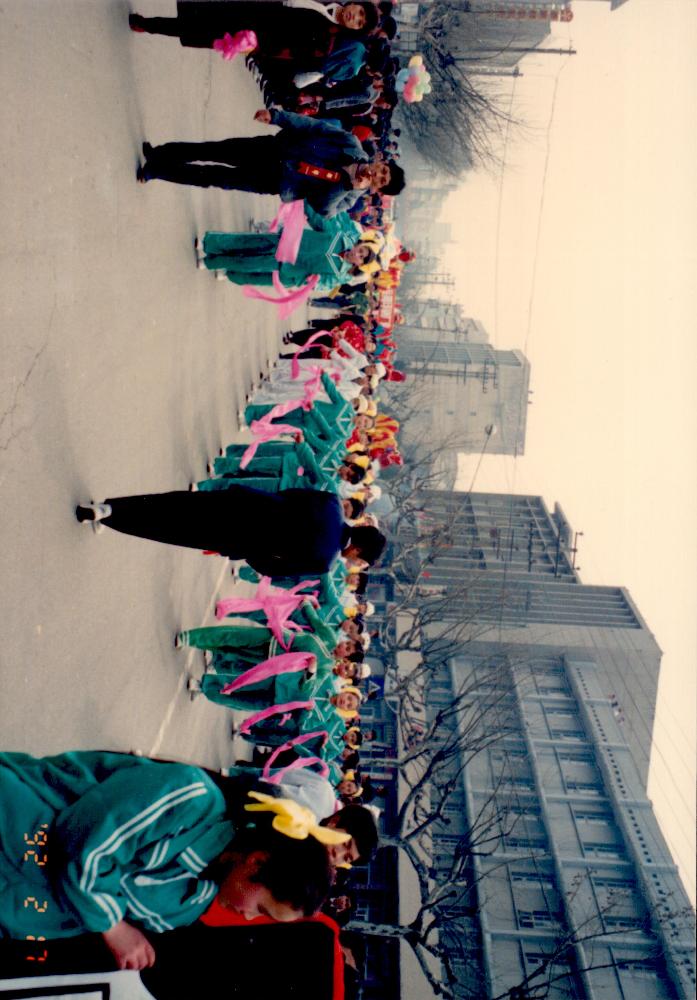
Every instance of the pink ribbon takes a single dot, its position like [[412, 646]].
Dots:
[[267, 713], [238, 44], [296, 764], [284, 663], [287, 301], [265, 430], [295, 362], [276, 603], [291, 215]]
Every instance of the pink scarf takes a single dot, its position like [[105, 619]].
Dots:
[[284, 663], [282, 710], [291, 215], [287, 301], [276, 603], [296, 764]]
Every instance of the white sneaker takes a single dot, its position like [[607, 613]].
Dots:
[[201, 265], [220, 276], [193, 487], [91, 512], [179, 641]]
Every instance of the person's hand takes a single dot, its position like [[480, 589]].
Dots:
[[129, 946], [263, 116]]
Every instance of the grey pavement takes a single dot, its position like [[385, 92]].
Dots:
[[122, 369]]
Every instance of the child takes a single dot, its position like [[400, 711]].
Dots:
[[100, 842]]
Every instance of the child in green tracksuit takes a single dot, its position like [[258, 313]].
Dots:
[[99, 842]]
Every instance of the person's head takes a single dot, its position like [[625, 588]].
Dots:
[[352, 508], [265, 873], [345, 648], [357, 582], [351, 473], [359, 822], [363, 422], [348, 787], [358, 17], [397, 179], [346, 669], [353, 737], [360, 254], [347, 701], [352, 627], [377, 176], [366, 543], [350, 758], [340, 904]]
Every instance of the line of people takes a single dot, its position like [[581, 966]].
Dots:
[[125, 847]]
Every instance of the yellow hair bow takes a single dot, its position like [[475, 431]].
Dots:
[[294, 820]]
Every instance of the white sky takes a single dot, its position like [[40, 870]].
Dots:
[[604, 304]]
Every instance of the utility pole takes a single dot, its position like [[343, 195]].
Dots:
[[495, 72], [529, 49]]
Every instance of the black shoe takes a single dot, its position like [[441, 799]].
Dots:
[[84, 513], [147, 150], [142, 175]]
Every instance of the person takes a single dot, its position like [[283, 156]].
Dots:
[[92, 841], [329, 248], [287, 533], [308, 159], [291, 29]]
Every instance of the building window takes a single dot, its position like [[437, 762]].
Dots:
[[568, 735], [533, 880], [514, 843], [615, 851], [537, 918], [619, 884], [597, 818], [585, 787], [615, 923]]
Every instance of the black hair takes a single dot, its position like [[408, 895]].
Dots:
[[356, 473], [351, 762], [369, 541], [356, 657], [359, 822], [371, 15], [357, 507], [296, 872], [397, 179], [389, 26], [358, 737]]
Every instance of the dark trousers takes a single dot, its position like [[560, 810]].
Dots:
[[302, 337], [250, 164]]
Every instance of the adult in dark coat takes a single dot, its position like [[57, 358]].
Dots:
[[307, 159], [281, 29], [288, 533]]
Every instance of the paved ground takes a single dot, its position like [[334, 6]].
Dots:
[[121, 370]]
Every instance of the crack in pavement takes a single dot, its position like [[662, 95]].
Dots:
[[7, 416]]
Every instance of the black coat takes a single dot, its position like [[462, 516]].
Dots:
[[279, 534]]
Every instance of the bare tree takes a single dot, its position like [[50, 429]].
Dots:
[[462, 123]]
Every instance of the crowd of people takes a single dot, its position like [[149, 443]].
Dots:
[[147, 846]]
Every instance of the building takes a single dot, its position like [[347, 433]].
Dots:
[[464, 390], [517, 561], [567, 889], [579, 896]]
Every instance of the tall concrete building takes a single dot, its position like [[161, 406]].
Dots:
[[518, 560], [463, 390], [574, 894]]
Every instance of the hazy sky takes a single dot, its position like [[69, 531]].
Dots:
[[583, 253]]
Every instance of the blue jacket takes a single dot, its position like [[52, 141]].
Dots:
[[322, 144]]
